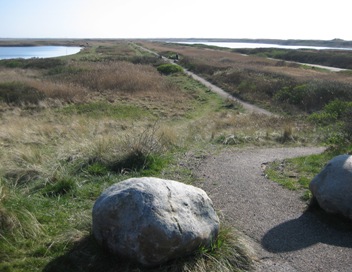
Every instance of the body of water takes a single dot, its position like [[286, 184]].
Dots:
[[27, 52], [237, 45]]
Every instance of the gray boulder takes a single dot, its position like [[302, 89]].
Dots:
[[332, 187], [151, 221]]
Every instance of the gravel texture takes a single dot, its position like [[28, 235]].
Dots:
[[284, 235]]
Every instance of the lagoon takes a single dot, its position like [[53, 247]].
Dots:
[[27, 52], [237, 45]]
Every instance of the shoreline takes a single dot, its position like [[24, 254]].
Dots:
[[335, 43]]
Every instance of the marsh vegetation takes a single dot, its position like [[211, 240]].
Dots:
[[72, 126]]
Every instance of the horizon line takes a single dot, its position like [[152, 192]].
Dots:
[[166, 38]]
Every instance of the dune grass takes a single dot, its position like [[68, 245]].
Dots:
[[288, 88], [82, 126], [99, 117]]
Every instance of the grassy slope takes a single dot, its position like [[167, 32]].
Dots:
[[102, 116], [264, 81]]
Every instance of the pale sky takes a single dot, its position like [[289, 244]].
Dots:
[[275, 19]]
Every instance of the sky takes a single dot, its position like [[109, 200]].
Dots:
[[255, 19]]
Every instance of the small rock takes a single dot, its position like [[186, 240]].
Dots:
[[151, 220]]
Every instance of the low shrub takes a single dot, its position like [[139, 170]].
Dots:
[[313, 96], [146, 60], [199, 67], [334, 111], [167, 69], [43, 63], [33, 63], [335, 119], [18, 93], [250, 84], [347, 117], [12, 63], [334, 58], [338, 108]]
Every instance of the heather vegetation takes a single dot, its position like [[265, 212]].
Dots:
[[333, 58], [311, 99], [72, 126], [274, 84]]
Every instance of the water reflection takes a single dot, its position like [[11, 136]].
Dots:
[[26, 52]]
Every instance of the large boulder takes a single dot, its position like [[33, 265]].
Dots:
[[151, 221], [332, 187]]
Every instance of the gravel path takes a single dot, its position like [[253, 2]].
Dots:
[[285, 236]]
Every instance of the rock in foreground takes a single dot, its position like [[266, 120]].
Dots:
[[332, 187], [151, 220]]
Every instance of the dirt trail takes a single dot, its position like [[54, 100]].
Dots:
[[249, 107], [284, 235], [274, 221], [330, 68]]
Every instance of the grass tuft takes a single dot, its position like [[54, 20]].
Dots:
[[61, 187], [16, 220], [227, 254], [297, 173]]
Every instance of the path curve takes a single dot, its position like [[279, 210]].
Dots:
[[284, 235]]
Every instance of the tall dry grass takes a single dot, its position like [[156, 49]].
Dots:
[[113, 78], [231, 128], [34, 148], [263, 81], [121, 77], [63, 91], [49, 153], [225, 59]]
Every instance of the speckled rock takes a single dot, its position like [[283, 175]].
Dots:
[[151, 220], [332, 187]]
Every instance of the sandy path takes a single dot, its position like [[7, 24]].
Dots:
[[249, 107], [284, 235]]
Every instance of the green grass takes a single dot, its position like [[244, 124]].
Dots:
[[52, 230], [56, 159], [297, 173], [47, 194], [168, 69]]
